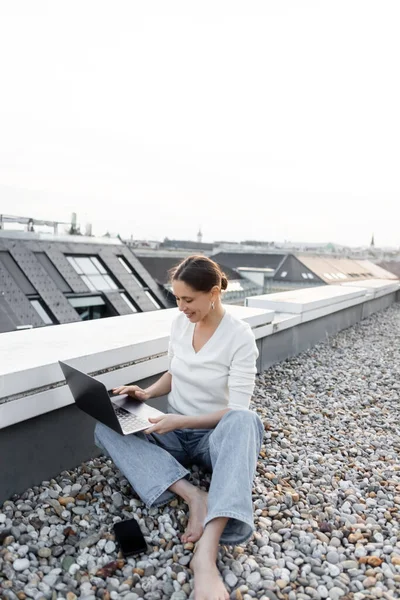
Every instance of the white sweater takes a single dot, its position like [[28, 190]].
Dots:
[[221, 375]]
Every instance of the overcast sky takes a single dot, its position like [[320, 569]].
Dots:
[[266, 120]]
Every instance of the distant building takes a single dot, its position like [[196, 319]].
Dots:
[[303, 270], [186, 245], [47, 279], [131, 243], [275, 272]]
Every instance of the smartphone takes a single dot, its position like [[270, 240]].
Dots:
[[129, 537]]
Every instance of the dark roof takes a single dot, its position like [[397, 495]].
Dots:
[[8, 321], [158, 267], [293, 270], [41, 275], [248, 259]]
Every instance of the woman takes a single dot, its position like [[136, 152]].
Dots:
[[212, 366]]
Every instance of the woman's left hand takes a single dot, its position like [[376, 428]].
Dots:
[[165, 423]]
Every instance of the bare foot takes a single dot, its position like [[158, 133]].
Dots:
[[208, 584], [197, 514]]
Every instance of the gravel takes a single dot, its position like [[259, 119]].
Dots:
[[326, 496]]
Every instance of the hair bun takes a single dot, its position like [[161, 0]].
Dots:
[[199, 272]]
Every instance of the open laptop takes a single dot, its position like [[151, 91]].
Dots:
[[120, 412]]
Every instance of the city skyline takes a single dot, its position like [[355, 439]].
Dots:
[[81, 230]]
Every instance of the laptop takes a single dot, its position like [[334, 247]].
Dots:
[[121, 413]]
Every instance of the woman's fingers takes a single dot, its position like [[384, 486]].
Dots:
[[150, 430], [155, 419], [157, 427], [128, 389]]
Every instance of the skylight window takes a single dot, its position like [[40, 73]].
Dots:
[[139, 281], [93, 273], [91, 307], [42, 311], [128, 302]]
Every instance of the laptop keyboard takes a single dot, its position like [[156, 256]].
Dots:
[[128, 421]]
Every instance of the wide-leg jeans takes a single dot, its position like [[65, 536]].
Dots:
[[153, 462]]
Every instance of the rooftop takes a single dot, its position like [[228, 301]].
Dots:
[[326, 496]]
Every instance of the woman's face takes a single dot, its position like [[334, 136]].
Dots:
[[196, 305]]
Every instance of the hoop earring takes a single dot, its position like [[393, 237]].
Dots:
[[212, 305]]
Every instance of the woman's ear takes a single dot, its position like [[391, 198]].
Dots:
[[215, 292]]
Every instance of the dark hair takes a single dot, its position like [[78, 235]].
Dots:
[[200, 272]]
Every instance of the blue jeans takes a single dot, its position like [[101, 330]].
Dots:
[[152, 463]]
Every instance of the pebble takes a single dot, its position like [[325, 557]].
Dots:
[[349, 564], [322, 590], [334, 571], [333, 557], [109, 548], [253, 579], [179, 595], [326, 496], [335, 593], [117, 499], [231, 579], [21, 564]]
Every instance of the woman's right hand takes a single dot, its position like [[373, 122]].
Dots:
[[134, 391]]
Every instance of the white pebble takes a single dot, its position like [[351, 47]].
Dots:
[[21, 564]]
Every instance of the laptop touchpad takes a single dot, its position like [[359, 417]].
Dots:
[[129, 404]]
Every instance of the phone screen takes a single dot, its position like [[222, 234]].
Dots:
[[130, 537]]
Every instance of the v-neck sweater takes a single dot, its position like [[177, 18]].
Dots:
[[220, 375]]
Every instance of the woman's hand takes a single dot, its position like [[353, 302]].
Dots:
[[134, 391], [165, 423]]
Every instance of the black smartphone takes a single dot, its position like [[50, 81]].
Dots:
[[130, 537]]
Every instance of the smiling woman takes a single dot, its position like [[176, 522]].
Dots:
[[210, 381], [197, 284]]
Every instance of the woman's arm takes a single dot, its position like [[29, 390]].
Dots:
[[161, 387], [208, 421], [166, 423], [242, 371]]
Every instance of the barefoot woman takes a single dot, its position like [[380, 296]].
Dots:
[[212, 365]]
